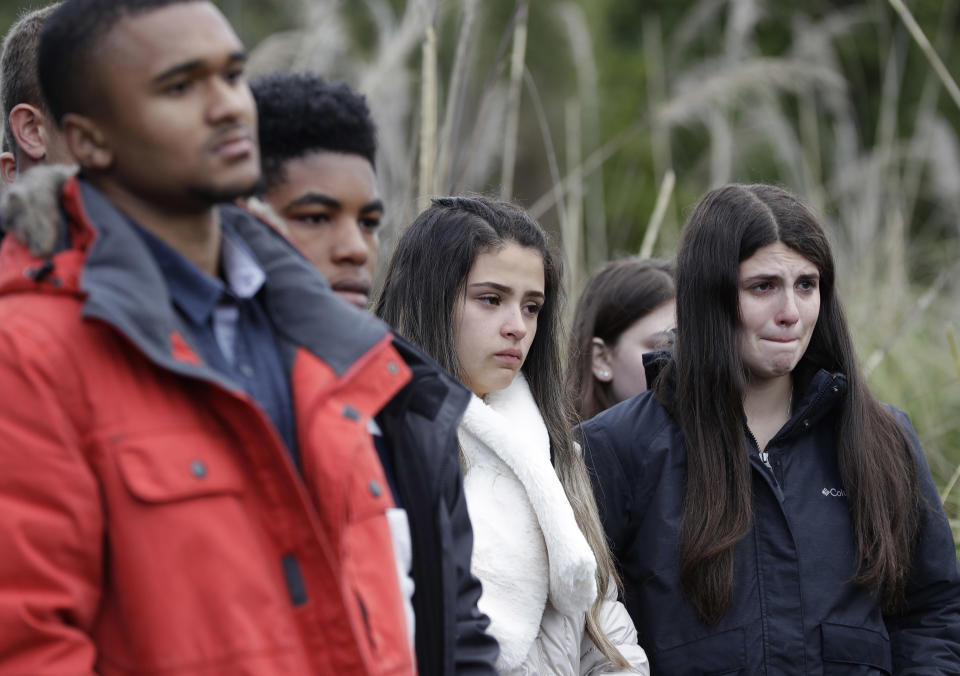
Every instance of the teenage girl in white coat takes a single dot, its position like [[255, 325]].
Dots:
[[476, 285]]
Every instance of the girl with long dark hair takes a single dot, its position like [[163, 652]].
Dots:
[[475, 283], [767, 513], [626, 310]]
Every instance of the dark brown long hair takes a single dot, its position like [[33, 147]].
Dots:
[[425, 279], [727, 227], [615, 297]]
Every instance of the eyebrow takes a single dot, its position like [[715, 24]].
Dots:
[[763, 277], [188, 66], [506, 289], [326, 200]]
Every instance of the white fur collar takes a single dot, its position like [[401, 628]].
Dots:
[[30, 207], [523, 522]]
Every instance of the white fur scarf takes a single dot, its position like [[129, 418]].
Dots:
[[527, 545]]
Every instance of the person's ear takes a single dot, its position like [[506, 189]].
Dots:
[[87, 142], [600, 360], [27, 124], [8, 167]]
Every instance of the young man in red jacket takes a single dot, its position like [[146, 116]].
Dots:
[[189, 484]]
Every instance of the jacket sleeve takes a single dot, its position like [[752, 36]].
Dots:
[[476, 651], [925, 634], [617, 625], [51, 520]]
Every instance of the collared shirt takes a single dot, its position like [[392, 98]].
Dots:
[[229, 324]]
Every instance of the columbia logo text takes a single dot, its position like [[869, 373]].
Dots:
[[834, 492]]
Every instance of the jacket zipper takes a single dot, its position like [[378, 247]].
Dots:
[[770, 472], [764, 456]]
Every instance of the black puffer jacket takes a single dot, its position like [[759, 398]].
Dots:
[[421, 423], [793, 609]]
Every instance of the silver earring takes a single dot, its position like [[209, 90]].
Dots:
[[605, 374]]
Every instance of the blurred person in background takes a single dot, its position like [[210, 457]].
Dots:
[[476, 284], [30, 135], [766, 512], [626, 310], [318, 145]]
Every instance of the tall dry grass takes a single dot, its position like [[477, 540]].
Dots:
[[888, 192]]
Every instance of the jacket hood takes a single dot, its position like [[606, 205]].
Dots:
[[654, 363]]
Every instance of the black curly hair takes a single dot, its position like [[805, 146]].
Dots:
[[302, 113]]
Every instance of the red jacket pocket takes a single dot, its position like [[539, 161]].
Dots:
[[180, 472]]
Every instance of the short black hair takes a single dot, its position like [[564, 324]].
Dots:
[[300, 113], [67, 42], [18, 67]]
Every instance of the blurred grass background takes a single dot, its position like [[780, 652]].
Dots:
[[608, 119]]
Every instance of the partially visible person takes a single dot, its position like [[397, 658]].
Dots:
[[317, 143], [189, 484], [626, 310], [767, 513], [476, 284], [30, 135]]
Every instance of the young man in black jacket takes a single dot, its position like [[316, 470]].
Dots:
[[318, 146]]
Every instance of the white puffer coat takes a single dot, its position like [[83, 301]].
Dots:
[[536, 567]]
